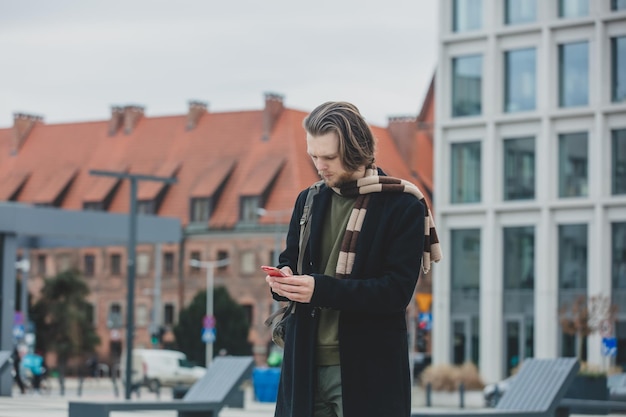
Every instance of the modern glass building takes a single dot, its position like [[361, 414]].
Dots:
[[530, 177]]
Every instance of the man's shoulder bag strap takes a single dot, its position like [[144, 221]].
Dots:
[[305, 225]]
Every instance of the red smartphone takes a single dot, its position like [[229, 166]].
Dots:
[[275, 272]]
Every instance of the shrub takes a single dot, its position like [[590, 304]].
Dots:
[[445, 377]]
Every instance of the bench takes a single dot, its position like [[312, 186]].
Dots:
[[537, 390], [220, 386], [5, 359], [597, 406]]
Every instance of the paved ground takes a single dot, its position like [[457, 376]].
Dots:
[[53, 405]]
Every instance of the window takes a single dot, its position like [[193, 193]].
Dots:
[[41, 264], [146, 207], [200, 210], [618, 4], [168, 262], [89, 267], [519, 258], [168, 314], [618, 161], [520, 11], [573, 256], [114, 320], [574, 74], [141, 315], [143, 263], [195, 255], [466, 15], [573, 162], [93, 206], [573, 8], [465, 259], [465, 172], [248, 265], [618, 250], [116, 264], [466, 86], [618, 69], [519, 80], [221, 255], [519, 169], [90, 313], [249, 209]]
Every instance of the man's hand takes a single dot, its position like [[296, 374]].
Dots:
[[294, 287]]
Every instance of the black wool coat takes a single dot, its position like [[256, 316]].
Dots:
[[373, 341]]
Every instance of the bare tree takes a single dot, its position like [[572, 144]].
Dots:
[[585, 316]]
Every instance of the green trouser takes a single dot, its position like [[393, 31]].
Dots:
[[328, 400]]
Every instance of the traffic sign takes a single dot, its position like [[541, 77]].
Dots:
[[208, 335], [609, 346], [425, 321], [208, 322]]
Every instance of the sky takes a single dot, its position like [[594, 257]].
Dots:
[[71, 60]]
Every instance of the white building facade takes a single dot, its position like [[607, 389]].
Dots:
[[530, 178]]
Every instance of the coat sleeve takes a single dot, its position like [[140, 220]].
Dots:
[[289, 257], [387, 265]]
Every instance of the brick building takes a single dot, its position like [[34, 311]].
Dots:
[[228, 166]]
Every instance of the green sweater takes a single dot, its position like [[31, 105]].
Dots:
[[334, 228]]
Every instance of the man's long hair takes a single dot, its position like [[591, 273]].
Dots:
[[356, 140]]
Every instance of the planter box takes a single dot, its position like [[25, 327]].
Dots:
[[588, 388]]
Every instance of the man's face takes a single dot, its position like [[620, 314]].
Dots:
[[324, 151]]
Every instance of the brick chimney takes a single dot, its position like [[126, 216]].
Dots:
[[273, 109], [23, 124], [132, 115], [196, 110], [403, 130], [117, 119]]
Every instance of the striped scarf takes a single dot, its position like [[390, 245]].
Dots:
[[373, 183]]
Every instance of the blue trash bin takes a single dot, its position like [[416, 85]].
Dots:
[[265, 382]]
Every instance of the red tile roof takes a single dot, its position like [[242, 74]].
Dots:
[[227, 146]]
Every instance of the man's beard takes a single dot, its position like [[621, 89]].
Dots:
[[338, 182]]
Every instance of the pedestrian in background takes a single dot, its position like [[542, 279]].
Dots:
[[346, 344]]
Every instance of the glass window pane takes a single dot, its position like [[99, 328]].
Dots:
[[574, 74], [465, 172], [519, 83], [618, 249], [465, 259], [520, 11], [519, 169], [573, 256], [573, 8], [466, 15], [618, 4], [466, 85], [618, 69], [519, 258], [573, 163], [618, 161]]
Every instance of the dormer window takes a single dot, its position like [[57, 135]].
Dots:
[[200, 209], [146, 207], [93, 206], [249, 208]]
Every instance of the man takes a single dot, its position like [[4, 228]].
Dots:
[[346, 348]]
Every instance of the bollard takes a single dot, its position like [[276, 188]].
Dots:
[[462, 395], [429, 389]]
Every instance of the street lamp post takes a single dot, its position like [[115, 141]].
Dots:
[[130, 265], [209, 266]]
